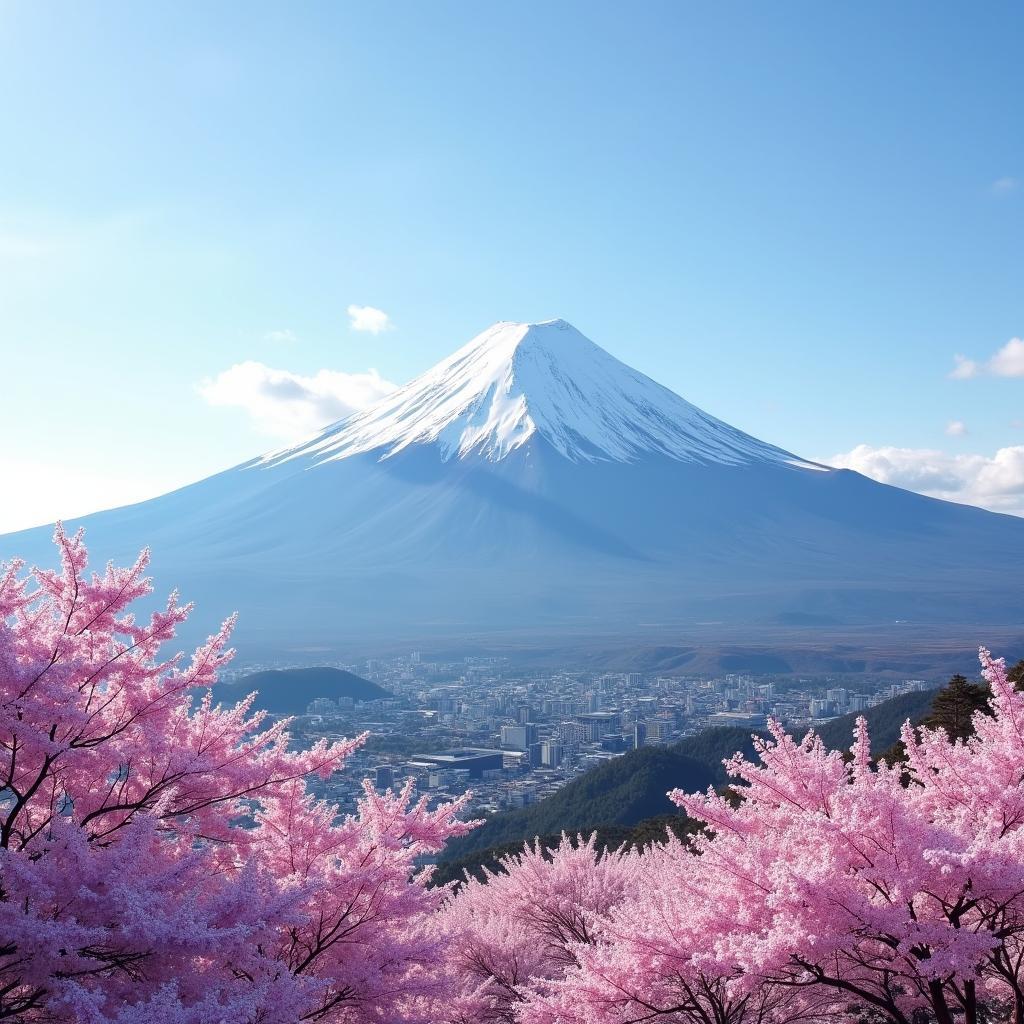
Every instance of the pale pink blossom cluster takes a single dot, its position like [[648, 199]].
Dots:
[[161, 860], [823, 888], [517, 928]]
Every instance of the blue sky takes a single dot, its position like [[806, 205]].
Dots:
[[795, 215]]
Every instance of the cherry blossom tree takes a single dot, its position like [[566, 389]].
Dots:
[[161, 858], [518, 927], [663, 952], [827, 887], [974, 789]]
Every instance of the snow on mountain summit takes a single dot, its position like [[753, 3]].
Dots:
[[516, 381]]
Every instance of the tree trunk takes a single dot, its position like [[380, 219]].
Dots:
[[939, 1004]]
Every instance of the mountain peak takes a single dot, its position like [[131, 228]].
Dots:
[[507, 340], [519, 381]]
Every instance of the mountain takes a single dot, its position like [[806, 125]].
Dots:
[[519, 383], [288, 691], [531, 484]]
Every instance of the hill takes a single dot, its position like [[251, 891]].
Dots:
[[608, 837], [623, 792], [287, 691], [712, 746], [884, 722]]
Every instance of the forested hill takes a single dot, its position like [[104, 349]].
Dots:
[[607, 837], [623, 791], [632, 788], [884, 722], [288, 691]]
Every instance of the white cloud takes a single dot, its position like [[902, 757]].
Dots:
[[956, 428], [290, 405], [1004, 186], [964, 369], [1007, 362], [995, 482], [283, 336], [369, 319]]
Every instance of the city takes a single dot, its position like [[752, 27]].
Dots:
[[513, 737]]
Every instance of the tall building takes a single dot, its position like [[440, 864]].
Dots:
[[571, 733], [551, 754], [518, 737], [383, 777], [639, 735], [660, 728], [598, 724]]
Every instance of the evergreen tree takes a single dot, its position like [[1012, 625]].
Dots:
[[954, 707], [951, 709]]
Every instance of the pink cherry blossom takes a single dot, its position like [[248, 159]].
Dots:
[[826, 888], [523, 925], [160, 857]]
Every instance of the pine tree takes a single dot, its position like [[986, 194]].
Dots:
[[954, 707]]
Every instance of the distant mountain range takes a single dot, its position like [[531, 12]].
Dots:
[[532, 483], [288, 691]]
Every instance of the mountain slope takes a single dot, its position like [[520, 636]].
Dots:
[[533, 483]]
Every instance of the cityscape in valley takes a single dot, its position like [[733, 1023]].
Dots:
[[511, 513], [513, 739]]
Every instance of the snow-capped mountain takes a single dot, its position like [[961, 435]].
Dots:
[[518, 381], [531, 484]]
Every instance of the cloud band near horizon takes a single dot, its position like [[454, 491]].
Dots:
[[994, 482]]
